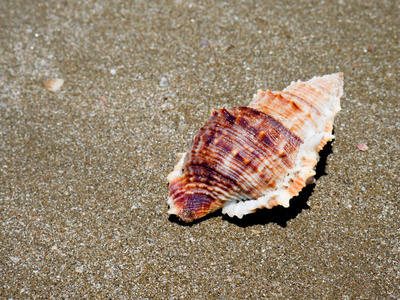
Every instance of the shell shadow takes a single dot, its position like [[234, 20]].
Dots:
[[177, 220], [278, 214]]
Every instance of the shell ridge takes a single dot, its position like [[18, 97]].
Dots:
[[218, 163], [247, 184], [215, 161], [218, 177], [282, 196], [310, 94], [280, 165], [298, 120]]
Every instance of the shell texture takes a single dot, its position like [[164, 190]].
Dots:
[[53, 84], [260, 156]]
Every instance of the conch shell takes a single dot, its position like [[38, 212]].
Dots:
[[260, 156]]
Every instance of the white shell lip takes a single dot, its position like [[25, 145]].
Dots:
[[172, 210], [178, 168]]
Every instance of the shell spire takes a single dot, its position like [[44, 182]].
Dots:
[[260, 156]]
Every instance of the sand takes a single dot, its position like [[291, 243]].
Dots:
[[83, 190]]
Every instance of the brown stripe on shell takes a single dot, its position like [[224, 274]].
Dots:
[[239, 153], [314, 96], [300, 102]]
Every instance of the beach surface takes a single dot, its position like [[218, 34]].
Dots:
[[83, 189]]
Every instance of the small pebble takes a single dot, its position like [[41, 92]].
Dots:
[[79, 269], [103, 101], [164, 82], [14, 259]]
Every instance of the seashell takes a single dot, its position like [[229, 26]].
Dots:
[[54, 84], [260, 156], [362, 147]]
